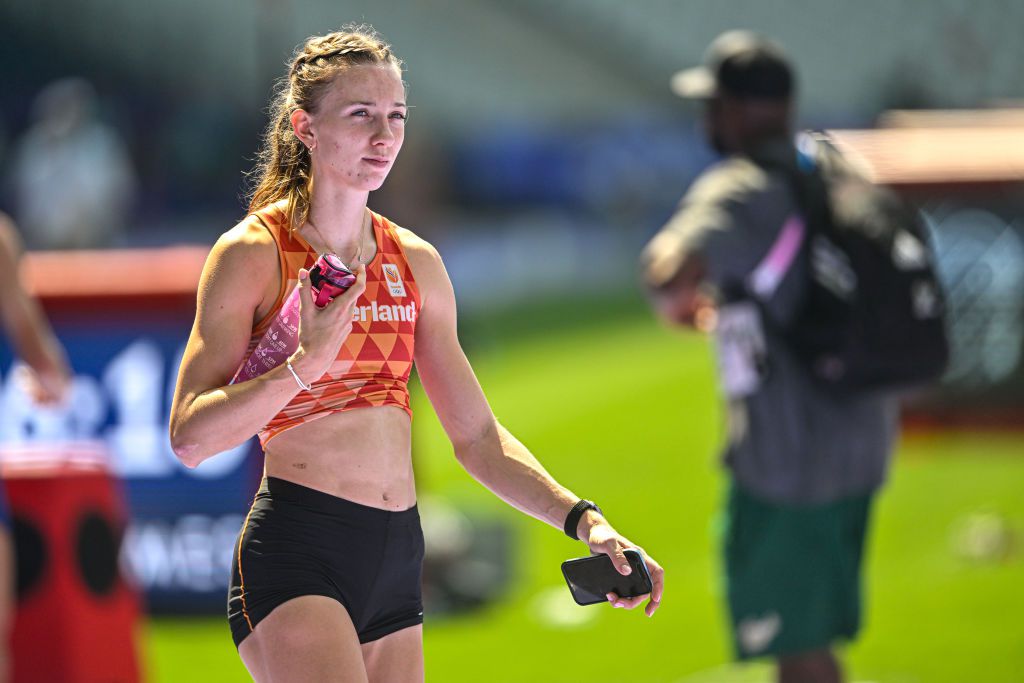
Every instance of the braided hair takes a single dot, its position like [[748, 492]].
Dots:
[[284, 167]]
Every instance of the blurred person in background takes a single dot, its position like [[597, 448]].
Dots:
[[804, 463], [72, 178], [44, 371], [326, 577], [44, 374]]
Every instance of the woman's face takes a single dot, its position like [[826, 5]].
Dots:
[[358, 128]]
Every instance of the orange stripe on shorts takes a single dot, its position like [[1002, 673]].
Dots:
[[241, 579]]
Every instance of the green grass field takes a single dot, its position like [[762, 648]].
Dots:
[[625, 412]]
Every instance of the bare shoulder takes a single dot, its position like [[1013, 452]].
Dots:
[[423, 257], [415, 246], [246, 251], [248, 240], [428, 268]]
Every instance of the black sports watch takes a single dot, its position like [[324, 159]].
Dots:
[[572, 520]]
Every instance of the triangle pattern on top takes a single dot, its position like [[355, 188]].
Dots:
[[373, 364]]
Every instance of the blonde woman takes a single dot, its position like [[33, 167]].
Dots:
[[327, 567]]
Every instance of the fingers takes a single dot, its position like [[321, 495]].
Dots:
[[614, 551], [611, 546], [657, 584], [55, 384], [29, 383], [626, 603], [341, 305], [305, 293], [631, 603], [47, 389], [657, 581]]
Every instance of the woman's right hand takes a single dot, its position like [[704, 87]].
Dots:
[[322, 331]]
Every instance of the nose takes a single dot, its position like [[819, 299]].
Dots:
[[382, 133]]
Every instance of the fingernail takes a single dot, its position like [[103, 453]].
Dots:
[[618, 604], [303, 275], [609, 596], [626, 569]]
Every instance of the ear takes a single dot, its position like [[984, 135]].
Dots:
[[302, 124]]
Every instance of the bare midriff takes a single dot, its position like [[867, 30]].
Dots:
[[362, 455]]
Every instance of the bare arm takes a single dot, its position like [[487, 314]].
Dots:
[[209, 416], [487, 450], [26, 326]]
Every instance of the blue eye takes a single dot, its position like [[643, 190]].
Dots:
[[360, 112], [398, 115]]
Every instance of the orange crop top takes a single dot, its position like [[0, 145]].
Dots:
[[373, 365]]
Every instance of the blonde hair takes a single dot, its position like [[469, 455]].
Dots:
[[284, 168]]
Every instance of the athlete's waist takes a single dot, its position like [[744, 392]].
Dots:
[[375, 477], [294, 493], [363, 454]]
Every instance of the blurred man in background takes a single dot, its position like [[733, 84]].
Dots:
[[45, 376], [45, 373], [72, 178], [804, 463]]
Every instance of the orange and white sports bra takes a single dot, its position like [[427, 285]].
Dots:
[[373, 365]]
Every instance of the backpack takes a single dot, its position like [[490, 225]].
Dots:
[[873, 316]]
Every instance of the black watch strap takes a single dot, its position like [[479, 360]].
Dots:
[[572, 520]]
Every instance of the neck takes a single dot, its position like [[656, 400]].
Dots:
[[339, 219]]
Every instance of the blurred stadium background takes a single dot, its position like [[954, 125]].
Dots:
[[542, 150]]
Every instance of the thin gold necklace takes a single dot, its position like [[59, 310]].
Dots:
[[359, 247]]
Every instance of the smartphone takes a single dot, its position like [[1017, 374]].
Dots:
[[591, 578]]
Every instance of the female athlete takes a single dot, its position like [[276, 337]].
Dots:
[[326, 577]]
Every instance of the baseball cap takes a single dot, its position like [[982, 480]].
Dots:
[[739, 63]]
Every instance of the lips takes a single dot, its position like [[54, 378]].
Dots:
[[379, 162]]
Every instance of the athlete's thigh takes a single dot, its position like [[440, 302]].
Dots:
[[397, 657], [252, 656], [310, 638]]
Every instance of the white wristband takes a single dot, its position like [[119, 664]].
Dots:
[[307, 387]]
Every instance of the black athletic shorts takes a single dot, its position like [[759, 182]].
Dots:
[[299, 541]]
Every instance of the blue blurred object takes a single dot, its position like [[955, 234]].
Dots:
[[183, 522], [592, 169]]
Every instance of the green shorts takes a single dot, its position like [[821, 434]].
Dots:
[[793, 573]]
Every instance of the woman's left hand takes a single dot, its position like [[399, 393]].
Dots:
[[602, 538]]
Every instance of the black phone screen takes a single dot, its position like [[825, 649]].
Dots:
[[591, 578]]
